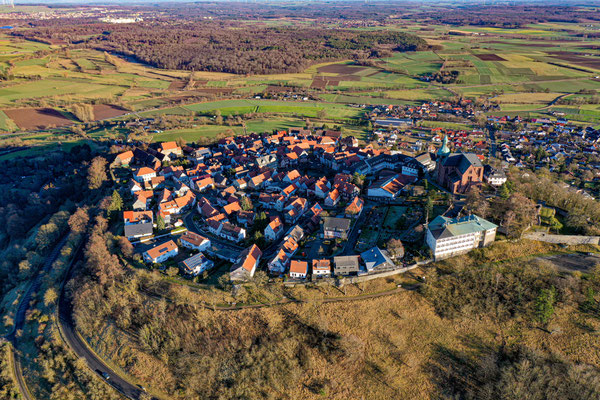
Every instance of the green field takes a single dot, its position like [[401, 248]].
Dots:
[[192, 134], [6, 124]]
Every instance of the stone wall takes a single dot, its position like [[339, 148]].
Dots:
[[562, 239]]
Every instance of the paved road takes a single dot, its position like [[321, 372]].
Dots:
[[349, 249], [19, 320], [75, 342], [493, 147]]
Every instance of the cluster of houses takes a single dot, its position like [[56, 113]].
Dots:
[[559, 139], [232, 182], [240, 183], [406, 115]]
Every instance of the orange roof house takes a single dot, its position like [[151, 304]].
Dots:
[[355, 207], [125, 158], [246, 264], [298, 269], [161, 252]]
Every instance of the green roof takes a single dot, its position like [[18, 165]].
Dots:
[[444, 150], [443, 227]]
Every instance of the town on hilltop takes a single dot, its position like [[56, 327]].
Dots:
[[302, 203]]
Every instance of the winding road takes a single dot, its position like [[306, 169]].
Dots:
[[77, 344], [81, 349], [19, 320]]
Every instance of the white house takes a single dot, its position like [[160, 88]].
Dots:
[[447, 237], [321, 268], [197, 264], [162, 252], [274, 230], [145, 174], [493, 176], [298, 269], [194, 241], [246, 264]]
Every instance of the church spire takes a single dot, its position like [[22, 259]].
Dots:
[[444, 150]]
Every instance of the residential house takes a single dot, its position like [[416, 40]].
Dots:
[[137, 224], [376, 260], [196, 264], [194, 241], [345, 265], [123, 159], [142, 199], [134, 186], [246, 218], [336, 228], [231, 232], [197, 156], [321, 268], [332, 199], [161, 253], [279, 263], [145, 174], [295, 210], [246, 264], [298, 269], [320, 189], [203, 183], [493, 176], [355, 207], [170, 149], [389, 187], [274, 230]]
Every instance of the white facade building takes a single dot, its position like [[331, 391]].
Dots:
[[447, 237]]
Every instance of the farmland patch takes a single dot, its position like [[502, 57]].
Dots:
[[104, 111], [489, 57], [37, 118], [343, 69]]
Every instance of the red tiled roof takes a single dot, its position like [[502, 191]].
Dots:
[[300, 267], [161, 249], [193, 238]]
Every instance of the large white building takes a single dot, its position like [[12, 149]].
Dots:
[[447, 237]]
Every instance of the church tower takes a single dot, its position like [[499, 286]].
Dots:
[[442, 154]]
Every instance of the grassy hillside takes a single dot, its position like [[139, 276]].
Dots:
[[486, 318]]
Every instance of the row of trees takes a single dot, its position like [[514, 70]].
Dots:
[[514, 211]]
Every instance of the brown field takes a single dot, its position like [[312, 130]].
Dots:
[[37, 118], [340, 69], [104, 111], [348, 78], [489, 57], [320, 82], [583, 61], [177, 85]]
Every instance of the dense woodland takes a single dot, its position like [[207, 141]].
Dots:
[[507, 16], [227, 47], [39, 193]]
